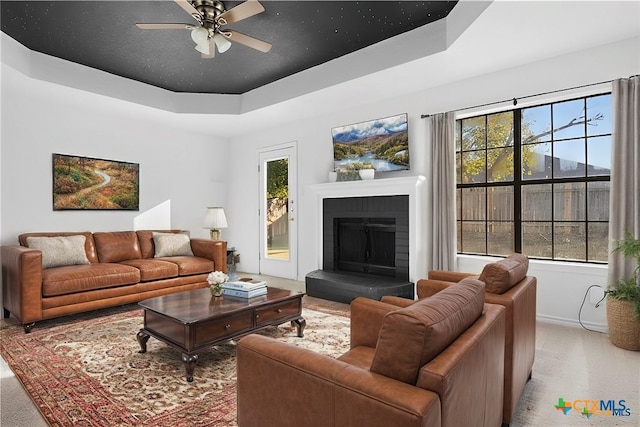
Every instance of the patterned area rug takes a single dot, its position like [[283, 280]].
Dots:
[[86, 370]]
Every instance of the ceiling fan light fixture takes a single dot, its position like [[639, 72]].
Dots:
[[203, 48], [200, 36], [221, 42]]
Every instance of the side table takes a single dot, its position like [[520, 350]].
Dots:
[[231, 260]]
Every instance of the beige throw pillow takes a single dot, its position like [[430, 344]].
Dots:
[[59, 251], [172, 244]]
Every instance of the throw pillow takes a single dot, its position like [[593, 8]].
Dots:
[[59, 251], [172, 244], [502, 275]]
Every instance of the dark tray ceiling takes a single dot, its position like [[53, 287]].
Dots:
[[103, 35]]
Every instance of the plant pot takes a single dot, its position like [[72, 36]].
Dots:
[[367, 173], [624, 328]]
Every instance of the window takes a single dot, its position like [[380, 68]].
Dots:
[[536, 180]]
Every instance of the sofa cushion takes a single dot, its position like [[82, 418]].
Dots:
[[360, 356], [171, 244], [117, 246], [153, 269], [78, 278], [61, 250], [502, 275], [412, 336], [190, 265]]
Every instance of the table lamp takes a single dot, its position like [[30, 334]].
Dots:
[[214, 221]]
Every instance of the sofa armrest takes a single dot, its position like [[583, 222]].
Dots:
[[448, 276], [366, 320], [520, 304], [429, 287], [470, 372], [215, 250], [280, 384], [22, 283]]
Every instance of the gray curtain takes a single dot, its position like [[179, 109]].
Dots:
[[624, 202], [443, 192]]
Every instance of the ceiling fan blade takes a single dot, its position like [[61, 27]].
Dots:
[[188, 7], [240, 12], [247, 40], [165, 26], [212, 50]]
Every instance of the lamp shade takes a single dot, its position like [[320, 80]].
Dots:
[[222, 43], [200, 35], [215, 219]]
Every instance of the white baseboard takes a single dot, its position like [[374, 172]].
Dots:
[[598, 327]]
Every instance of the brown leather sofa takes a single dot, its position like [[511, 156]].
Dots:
[[435, 362], [507, 284], [116, 268]]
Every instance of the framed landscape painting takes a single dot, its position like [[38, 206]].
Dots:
[[81, 183], [381, 144]]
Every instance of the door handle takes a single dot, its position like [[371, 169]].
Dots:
[[291, 219]]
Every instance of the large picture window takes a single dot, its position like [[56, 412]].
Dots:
[[536, 180]]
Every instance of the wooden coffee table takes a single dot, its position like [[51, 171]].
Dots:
[[193, 321]]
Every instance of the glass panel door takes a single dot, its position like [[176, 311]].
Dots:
[[278, 209]]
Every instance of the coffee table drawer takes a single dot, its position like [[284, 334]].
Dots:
[[278, 311], [217, 329]]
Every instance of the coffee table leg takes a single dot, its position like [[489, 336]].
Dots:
[[143, 337], [189, 361], [300, 323]]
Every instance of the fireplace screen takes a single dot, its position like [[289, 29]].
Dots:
[[366, 245]]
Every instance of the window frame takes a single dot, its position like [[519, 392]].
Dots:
[[518, 183]]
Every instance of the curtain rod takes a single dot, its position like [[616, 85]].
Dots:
[[515, 100]]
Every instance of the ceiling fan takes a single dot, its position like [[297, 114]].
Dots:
[[212, 16]]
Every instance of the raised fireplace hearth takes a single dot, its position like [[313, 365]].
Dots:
[[345, 286], [365, 249]]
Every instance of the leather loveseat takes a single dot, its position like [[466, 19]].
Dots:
[[507, 284], [55, 274], [436, 362]]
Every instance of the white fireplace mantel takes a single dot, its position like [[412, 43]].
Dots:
[[414, 187]]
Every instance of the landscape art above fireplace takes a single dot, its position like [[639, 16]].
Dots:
[[381, 144]]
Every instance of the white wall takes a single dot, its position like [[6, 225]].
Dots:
[[185, 169], [561, 287]]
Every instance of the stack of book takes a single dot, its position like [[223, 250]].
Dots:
[[249, 289]]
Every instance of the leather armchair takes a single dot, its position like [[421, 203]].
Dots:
[[436, 362], [507, 285]]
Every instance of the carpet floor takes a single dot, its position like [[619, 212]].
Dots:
[[86, 370]]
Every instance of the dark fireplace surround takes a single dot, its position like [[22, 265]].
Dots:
[[365, 249]]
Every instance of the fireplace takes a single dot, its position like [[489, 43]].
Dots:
[[365, 245], [365, 248]]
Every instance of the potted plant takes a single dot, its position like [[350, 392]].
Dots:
[[216, 279], [365, 170], [623, 300]]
